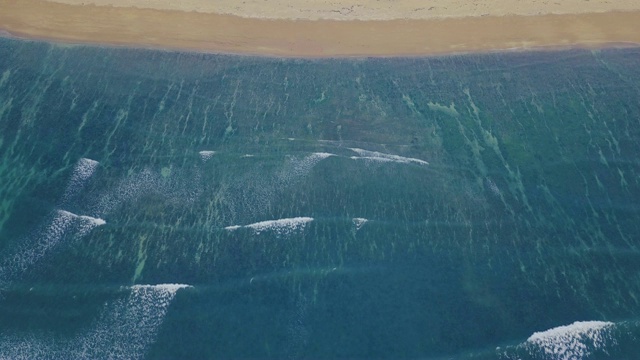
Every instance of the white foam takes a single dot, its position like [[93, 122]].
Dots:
[[252, 193], [95, 221], [493, 187], [206, 154], [83, 170], [89, 219], [25, 347], [298, 331], [172, 288], [296, 168], [280, 226], [371, 158], [128, 326], [359, 222], [124, 330], [52, 235], [86, 223], [321, 155], [382, 157], [129, 188], [571, 341], [34, 247], [174, 186]]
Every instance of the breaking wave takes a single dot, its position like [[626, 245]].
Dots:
[[279, 227], [206, 154], [359, 222], [124, 330], [62, 225], [382, 157], [570, 342]]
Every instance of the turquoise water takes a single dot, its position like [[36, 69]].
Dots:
[[166, 205]]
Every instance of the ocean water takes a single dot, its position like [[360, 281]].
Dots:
[[165, 205]]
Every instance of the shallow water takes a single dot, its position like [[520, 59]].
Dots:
[[476, 206]]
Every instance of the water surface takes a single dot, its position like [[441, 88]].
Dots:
[[176, 205]]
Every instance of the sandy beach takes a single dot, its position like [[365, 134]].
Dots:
[[369, 9], [325, 29]]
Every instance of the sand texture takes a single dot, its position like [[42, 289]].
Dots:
[[372, 9], [213, 32]]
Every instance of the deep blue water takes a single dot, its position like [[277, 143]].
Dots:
[[435, 208]]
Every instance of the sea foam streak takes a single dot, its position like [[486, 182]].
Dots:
[[81, 173], [280, 226], [125, 329], [34, 247], [169, 288], [297, 330], [382, 157]]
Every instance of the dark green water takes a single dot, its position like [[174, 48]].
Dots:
[[500, 191]]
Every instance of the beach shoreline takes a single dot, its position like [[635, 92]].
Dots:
[[379, 10], [231, 34], [260, 54]]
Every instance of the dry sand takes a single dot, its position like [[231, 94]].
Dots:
[[371, 9], [192, 25]]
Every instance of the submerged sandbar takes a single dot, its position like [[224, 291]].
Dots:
[[130, 24]]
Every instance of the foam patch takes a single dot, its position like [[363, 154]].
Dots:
[[279, 227], [569, 342], [125, 330], [83, 170], [62, 225], [382, 157]]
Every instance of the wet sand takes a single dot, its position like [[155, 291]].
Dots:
[[219, 33]]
